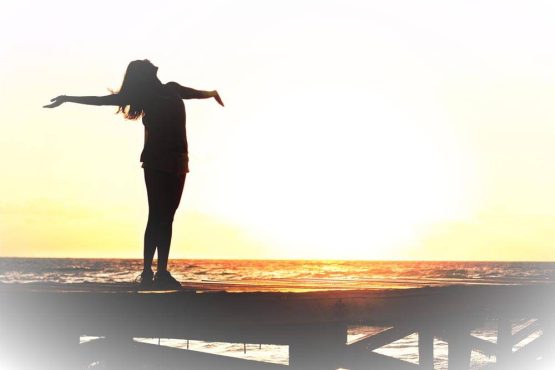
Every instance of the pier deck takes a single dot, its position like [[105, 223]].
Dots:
[[42, 324]]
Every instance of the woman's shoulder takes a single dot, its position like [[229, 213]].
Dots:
[[173, 88], [172, 85]]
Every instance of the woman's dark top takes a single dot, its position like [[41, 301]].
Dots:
[[165, 146]]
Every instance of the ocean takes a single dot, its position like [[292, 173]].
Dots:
[[296, 275]]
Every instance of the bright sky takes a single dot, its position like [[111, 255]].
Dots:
[[352, 129]]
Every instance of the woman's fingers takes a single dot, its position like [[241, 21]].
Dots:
[[58, 100], [55, 102], [218, 99]]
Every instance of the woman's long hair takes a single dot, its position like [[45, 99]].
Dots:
[[138, 85]]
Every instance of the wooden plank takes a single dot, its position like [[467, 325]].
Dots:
[[371, 360], [150, 356], [380, 339], [483, 346], [525, 332]]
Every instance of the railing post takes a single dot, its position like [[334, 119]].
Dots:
[[458, 339], [504, 342], [426, 348], [318, 347], [118, 353]]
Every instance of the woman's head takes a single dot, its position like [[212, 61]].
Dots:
[[138, 84]]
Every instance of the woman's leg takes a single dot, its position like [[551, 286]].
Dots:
[[174, 184], [149, 245], [164, 192], [153, 191]]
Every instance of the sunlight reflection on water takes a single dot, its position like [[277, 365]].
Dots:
[[283, 275]]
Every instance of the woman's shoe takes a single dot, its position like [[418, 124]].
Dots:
[[164, 280], [145, 279]]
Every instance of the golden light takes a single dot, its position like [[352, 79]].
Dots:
[[345, 178], [351, 130]]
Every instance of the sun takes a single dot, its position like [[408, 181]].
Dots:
[[348, 178]]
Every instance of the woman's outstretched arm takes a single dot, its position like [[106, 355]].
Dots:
[[112, 99], [188, 93]]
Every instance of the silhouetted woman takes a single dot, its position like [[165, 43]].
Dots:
[[164, 156]]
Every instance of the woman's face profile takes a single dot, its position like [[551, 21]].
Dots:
[[151, 66]]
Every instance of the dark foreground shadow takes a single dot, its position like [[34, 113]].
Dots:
[[41, 328]]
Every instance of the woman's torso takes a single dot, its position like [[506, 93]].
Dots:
[[165, 146]]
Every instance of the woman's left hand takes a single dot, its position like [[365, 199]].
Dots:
[[59, 100]]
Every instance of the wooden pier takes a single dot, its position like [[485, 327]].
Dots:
[[42, 323]]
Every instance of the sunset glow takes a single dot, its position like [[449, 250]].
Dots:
[[352, 130]]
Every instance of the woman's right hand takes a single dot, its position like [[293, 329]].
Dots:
[[217, 97], [59, 100]]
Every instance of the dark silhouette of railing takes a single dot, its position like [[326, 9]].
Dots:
[[41, 326]]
